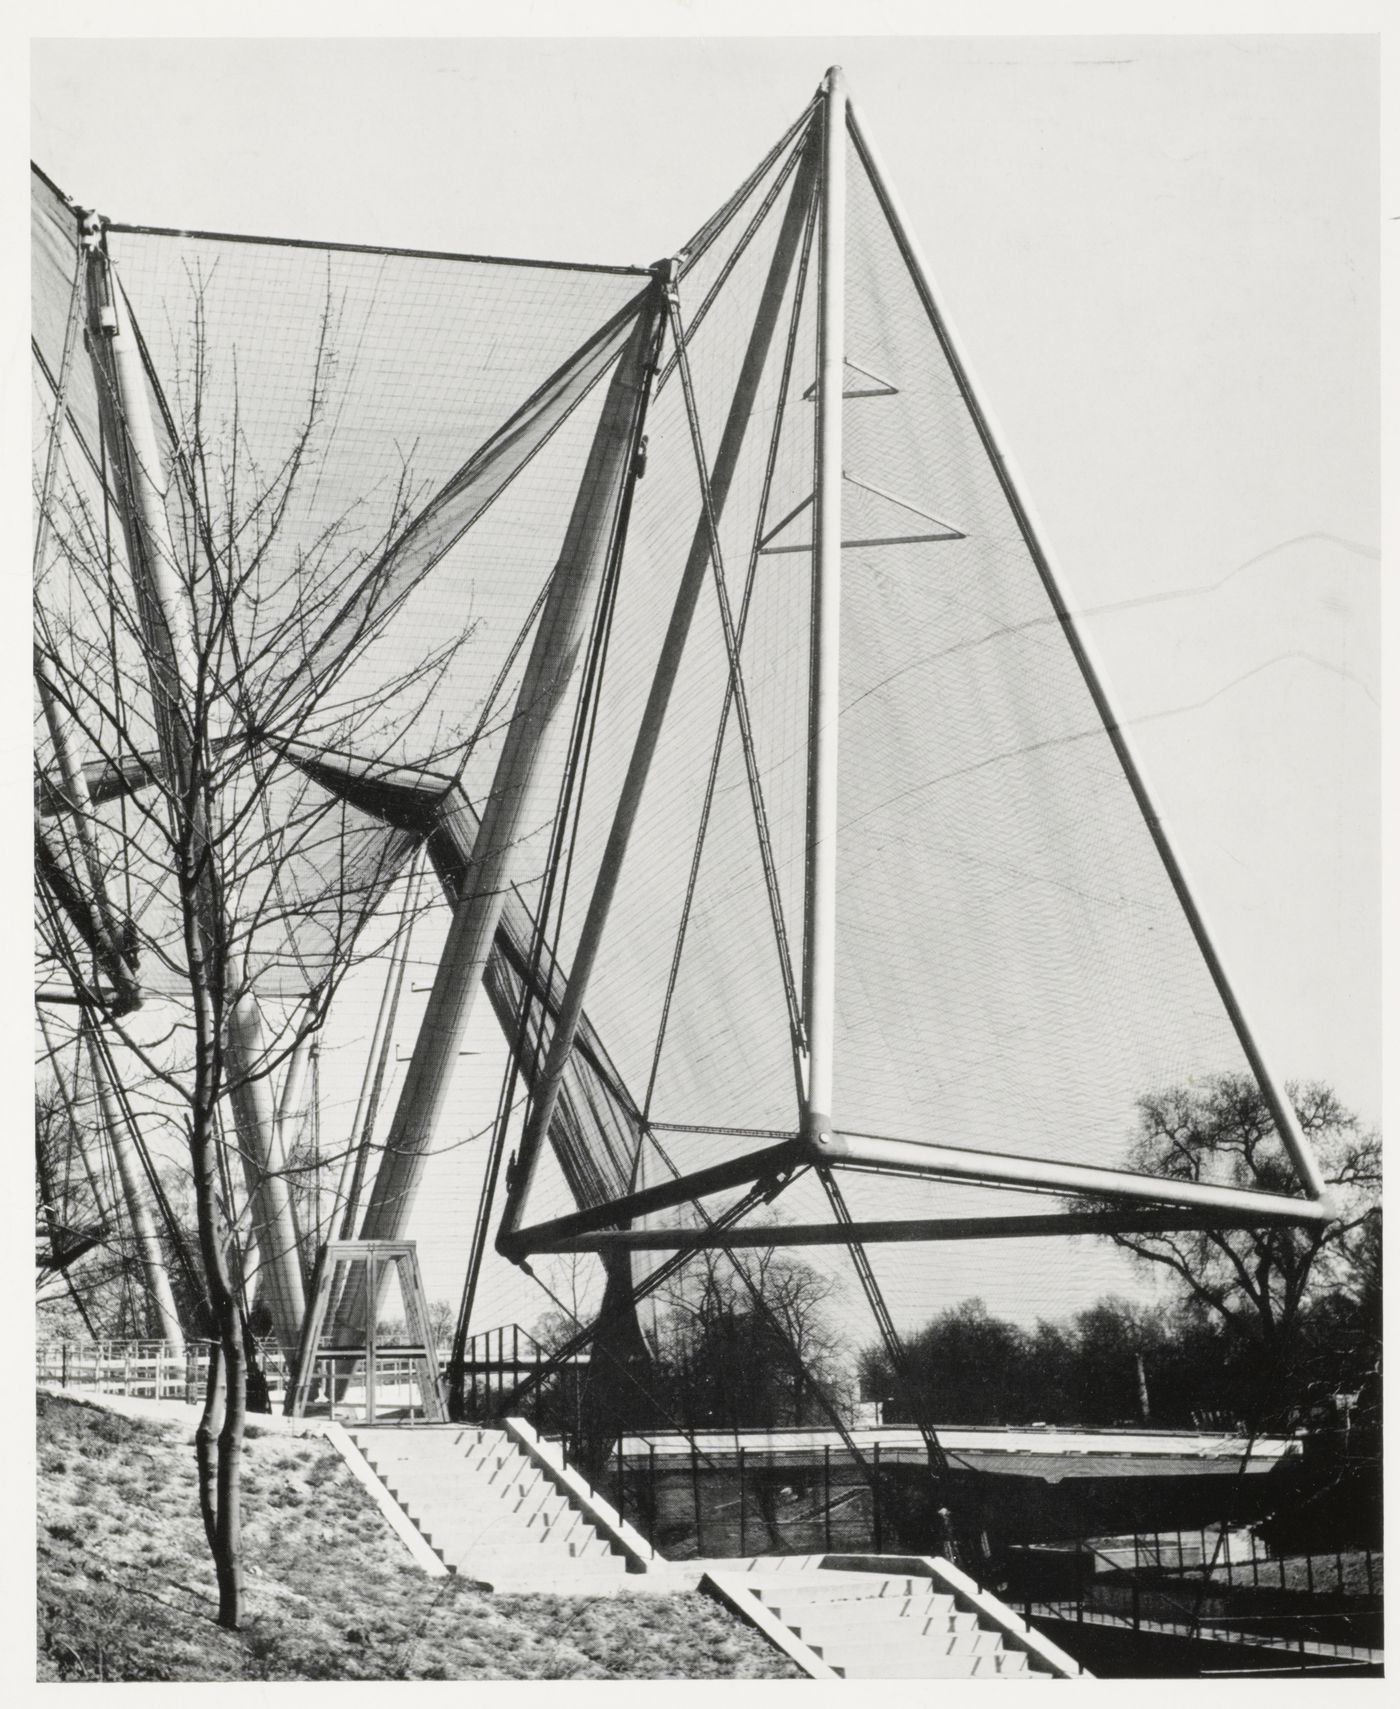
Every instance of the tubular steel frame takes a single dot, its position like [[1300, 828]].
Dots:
[[1116, 1197]]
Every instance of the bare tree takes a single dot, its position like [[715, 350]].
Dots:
[[1257, 1283], [202, 898], [751, 1350]]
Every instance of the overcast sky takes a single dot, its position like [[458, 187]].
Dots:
[[1161, 255]]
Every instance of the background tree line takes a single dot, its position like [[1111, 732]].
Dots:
[[1252, 1329]]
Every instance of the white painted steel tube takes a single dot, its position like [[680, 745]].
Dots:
[[294, 1078], [693, 577], [819, 971], [264, 1169], [1272, 1086], [160, 1300], [154, 549], [514, 798], [913, 1157], [79, 816], [167, 622]]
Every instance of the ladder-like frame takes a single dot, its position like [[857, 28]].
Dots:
[[374, 1255]]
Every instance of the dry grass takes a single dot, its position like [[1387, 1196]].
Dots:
[[126, 1585]]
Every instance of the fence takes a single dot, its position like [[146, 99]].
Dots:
[[1214, 1583], [152, 1370], [496, 1360], [706, 1503]]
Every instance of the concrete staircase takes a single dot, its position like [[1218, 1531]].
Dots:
[[489, 1511], [929, 1623], [864, 1626]]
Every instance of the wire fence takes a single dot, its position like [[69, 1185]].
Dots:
[[695, 1502], [1215, 1583]]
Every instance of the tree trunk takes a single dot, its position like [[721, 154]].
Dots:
[[228, 1540], [228, 1377], [210, 1424]]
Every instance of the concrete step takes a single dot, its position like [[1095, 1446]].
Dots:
[[853, 1587], [423, 1442], [542, 1507], [498, 1567], [864, 1648], [502, 1541], [595, 1557], [524, 1498], [902, 1666], [891, 1626], [490, 1512], [793, 1604], [832, 1627], [437, 1450], [545, 1584]]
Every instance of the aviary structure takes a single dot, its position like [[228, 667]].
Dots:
[[780, 804]]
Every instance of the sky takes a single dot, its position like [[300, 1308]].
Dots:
[[1161, 255]]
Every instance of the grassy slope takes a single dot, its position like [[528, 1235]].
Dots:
[[126, 1585]]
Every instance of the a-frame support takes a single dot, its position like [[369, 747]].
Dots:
[[376, 1258]]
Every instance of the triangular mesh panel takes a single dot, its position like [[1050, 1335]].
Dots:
[[1014, 966], [689, 957]]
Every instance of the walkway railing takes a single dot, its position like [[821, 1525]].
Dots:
[[696, 1500], [1226, 1585], [150, 1370], [496, 1360]]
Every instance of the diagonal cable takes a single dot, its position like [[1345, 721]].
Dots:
[[740, 696], [889, 1335], [701, 241], [799, 1037], [731, 260]]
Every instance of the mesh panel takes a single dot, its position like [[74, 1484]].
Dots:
[[54, 260], [359, 412], [1014, 969], [725, 1058]]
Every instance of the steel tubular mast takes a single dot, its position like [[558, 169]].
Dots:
[[819, 962], [588, 542], [168, 647], [160, 1299], [653, 717]]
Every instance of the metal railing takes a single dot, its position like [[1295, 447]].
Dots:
[[704, 1502], [495, 1361], [1212, 1582], [151, 1370]]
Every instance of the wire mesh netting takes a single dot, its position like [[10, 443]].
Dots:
[[689, 974], [1015, 968], [397, 439]]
